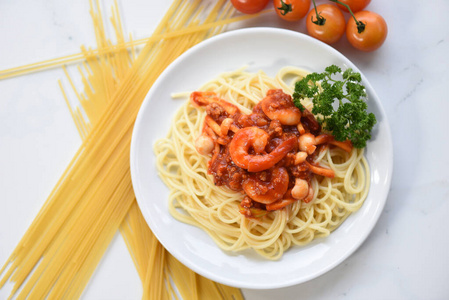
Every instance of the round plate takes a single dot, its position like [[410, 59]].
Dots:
[[266, 49]]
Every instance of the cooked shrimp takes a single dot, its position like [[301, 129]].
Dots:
[[309, 196], [301, 189], [269, 191], [326, 138], [287, 199], [300, 157], [213, 125], [301, 128], [203, 98], [307, 143], [207, 98], [279, 204], [278, 105], [320, 170], [257, 139], [226, 125], [306, 196], [204, 144]]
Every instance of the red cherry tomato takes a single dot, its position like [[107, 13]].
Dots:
[[374, 34], [249, 6], [291, 10], [332, 28], [354, 5]]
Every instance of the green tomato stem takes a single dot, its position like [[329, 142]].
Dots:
[[319, 19], [360, 24], [285, 8]]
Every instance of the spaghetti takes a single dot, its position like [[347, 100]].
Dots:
[[196, 200], [94, 197]]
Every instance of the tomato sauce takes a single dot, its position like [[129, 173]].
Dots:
[[265, 143]]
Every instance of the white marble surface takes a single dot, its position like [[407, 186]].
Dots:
[[405, 257]]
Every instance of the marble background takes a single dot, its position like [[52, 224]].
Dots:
[[405, 257]]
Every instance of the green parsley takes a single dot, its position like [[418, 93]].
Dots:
[[348, 120]]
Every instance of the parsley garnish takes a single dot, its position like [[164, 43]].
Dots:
[[349, 120]]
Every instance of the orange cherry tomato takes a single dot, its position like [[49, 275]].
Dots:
[[354, 5], [291, 10], [249, 6], [373, 35], [333, 23]]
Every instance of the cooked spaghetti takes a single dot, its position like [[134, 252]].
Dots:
[[302, 191]]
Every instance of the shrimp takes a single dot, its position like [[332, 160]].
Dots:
[[257, 139], [206, 98], [267, 191], [301, 189], [300, 157], [278, 105], [287, 199], [279, 204], [219, 112], [307, 143], [204, 144], [291, 196], [309, 196], [327, 138], [226, 126], [301, 128], [213, 125], [203, 98], [320, 170]]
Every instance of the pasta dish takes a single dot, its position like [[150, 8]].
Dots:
[[243, 163]]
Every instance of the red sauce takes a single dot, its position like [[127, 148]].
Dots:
[[281, 145]]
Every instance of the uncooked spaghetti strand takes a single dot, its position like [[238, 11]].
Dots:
[[102, 155], [101, 245], [78, 57], [152, 287], [103, 217], [54, 229], [137, 238], [67, 226], [71, 264]]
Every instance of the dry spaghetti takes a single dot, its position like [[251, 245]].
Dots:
[[94, 197]]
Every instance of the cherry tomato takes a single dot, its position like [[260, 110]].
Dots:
[[374, 34], [334, 25], [354, 5], [291, 10], [249, 6]]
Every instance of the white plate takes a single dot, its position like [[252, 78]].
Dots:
[[267, 49]]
